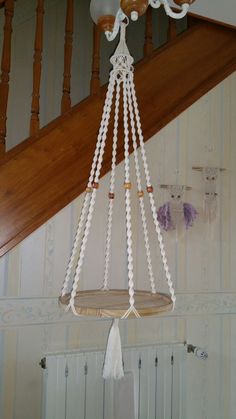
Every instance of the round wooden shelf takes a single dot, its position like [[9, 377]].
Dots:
[[114, 303]]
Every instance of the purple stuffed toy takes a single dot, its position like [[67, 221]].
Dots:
[[176, 213], [167, 222]]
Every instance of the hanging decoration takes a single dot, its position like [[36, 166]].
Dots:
[[175, 213], [209, 176], [106, 302]]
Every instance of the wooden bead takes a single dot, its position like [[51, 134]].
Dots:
[[88, 189], [95, 185], [140, 194], [150, 189], [127, 185], [111, 195]]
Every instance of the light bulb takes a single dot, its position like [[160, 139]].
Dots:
[[103, 11]]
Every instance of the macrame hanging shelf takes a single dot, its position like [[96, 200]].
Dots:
[[106, 302]]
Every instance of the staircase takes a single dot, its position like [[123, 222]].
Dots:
[[48, 170]]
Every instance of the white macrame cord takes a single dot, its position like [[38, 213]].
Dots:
[[121, 85], [122, 74]]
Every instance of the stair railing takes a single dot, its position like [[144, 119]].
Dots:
[[95, 85]]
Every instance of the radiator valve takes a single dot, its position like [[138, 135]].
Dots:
[[198, 352]]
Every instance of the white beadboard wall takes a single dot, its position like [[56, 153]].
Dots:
[[202, 262]]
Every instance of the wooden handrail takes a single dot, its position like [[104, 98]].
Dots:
[[66, 99], [37, 68], [5, 71], [95, 77]]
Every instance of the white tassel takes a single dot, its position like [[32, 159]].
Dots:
[[113, 364]]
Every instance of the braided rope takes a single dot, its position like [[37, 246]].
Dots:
[[107, 112], [128, 206], [75, 245], [80, 226], [122, 73], [151, 198], [111, 188], [139, 185]]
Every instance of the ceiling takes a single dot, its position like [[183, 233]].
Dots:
[[222, 11]]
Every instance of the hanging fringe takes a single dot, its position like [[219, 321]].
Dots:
[[113, 364]]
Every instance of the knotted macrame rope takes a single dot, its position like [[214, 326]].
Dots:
[[121, 75], [121, 82]]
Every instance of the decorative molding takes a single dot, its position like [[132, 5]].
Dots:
[[28, 311], [205, 303]]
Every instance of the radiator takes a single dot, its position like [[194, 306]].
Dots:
[[74, 387]]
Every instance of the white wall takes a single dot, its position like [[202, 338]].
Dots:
[[222, 11], [202, 263]]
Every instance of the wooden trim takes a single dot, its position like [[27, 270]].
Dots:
[[37, 68], [5, 71], [207, 19], [46, 173], [28, 311], [66, 99]]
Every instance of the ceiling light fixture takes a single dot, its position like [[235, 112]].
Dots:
[[108, 14]]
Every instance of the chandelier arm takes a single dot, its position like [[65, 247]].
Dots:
[[140, 191], [151, 199], [105, 286], [155, 3], [171, 13], [107, 111], [127, 186], [120, 16]]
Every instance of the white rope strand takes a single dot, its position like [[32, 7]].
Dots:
[[101, 129], [128, 207], [75, 245], [111, 188], [86, 199], [151, 198], [140, 191], [107, 112], [121, 74]]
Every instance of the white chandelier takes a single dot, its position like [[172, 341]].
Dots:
[[109, 14], [106, 302]]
